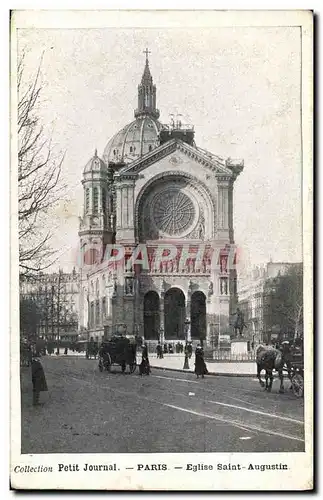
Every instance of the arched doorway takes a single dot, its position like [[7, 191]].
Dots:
[[198, 316], [174, 309], [151, 316]]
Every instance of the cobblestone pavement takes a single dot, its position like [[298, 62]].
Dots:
[[86, 411]]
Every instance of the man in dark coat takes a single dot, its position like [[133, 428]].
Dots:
[[38, 380], [200, 366], [159, 351]]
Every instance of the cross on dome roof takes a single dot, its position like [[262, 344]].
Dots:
[[147, 79], [146, 52]]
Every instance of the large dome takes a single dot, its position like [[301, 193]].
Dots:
[[133, 140]]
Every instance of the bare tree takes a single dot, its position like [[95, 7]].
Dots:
[[39, 177], [284, 303]]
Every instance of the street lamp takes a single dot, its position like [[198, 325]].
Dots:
[[187, 324], [161, 335]]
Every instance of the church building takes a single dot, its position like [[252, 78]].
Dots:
[[158, 196]]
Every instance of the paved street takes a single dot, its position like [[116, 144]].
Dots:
[[86, 411]]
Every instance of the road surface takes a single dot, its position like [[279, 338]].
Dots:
[[86, 411]]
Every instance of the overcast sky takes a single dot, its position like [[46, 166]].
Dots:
[[240, 87]]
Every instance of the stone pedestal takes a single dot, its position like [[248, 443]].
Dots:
[[239, 346]]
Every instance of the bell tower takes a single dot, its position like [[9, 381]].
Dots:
[[96, 224]]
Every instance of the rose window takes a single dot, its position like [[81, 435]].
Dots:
[[173, 211]]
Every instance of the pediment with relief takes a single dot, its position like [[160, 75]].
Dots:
[[175, 149]]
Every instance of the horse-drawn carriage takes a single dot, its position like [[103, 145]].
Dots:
[[119, 350], [92, 350], [296, 370], [283, 358]]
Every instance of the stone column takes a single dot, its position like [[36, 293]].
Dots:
[[118, 207], [230, 209], [125, 209], [162, 318], [188, 317], [223, 207], [99, 198]]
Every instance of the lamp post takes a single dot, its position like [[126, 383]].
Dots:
[[187, 324], [161, 336], [188, 338]]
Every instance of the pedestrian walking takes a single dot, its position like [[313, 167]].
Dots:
[[144, 367], [190, 349], [200, 366], [159, 351], [65, 351], [38, 380]]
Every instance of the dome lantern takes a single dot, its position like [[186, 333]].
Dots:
[[147, 94]]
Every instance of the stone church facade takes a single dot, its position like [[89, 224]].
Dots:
[[158, 196]]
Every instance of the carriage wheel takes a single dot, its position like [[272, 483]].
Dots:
[[298, 385], [132, 367]]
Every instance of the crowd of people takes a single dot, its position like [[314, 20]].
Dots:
[[170, 348]]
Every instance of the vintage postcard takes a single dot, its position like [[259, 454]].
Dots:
[[161, 281]]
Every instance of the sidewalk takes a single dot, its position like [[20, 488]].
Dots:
[[175, 362]]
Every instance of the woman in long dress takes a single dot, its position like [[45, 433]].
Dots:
[[144, 367], [200, 366]]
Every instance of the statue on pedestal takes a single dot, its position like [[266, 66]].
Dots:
[[239, 323]]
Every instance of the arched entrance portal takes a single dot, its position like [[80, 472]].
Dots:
[[151, 316], [198, 316], [174, 309]]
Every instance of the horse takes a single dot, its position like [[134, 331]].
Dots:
[[268, 358]]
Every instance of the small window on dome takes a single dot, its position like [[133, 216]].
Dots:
[[114, 152], [150, 147], [130, 149]]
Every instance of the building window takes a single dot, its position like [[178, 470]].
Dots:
[[150, 148], [92, 315], [87, 199], [97, 313], [95, 199], [104, 312], [224, 286], [104, 197], [130, 149]]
